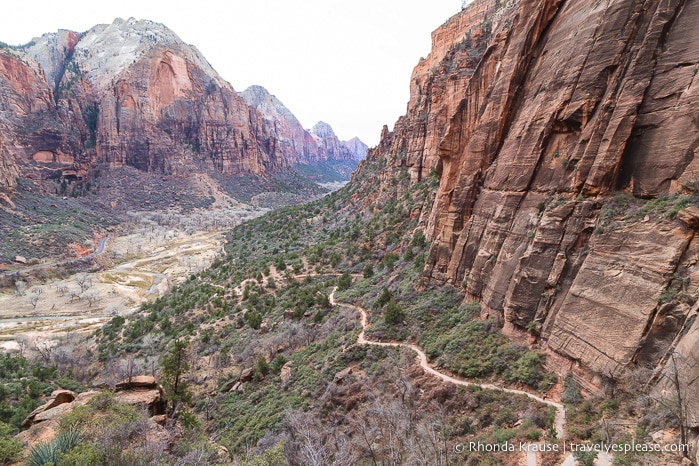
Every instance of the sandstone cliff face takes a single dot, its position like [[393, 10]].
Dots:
[[297, 144], [563, 152], [52, 52], [35, 134], [162, 107], [329, 144]]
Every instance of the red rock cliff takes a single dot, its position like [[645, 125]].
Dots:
[[564, 150], [35, 134], [129, 93]]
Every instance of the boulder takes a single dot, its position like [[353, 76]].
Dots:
[[689, 216], [246, 375], [340, 376], [58, 397], [285, 373], [149, 398], [140, 381]]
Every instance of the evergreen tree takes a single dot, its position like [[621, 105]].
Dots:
[[174, 365]]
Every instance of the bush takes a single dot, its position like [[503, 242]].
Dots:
[[261, 366], [571, 391], [384, 298], [419, 239], [10, 447], [394, 314], [344, 282], [390, 260]]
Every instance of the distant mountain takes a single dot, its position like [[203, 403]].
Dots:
[[131, 93], [318, 147], [357, 147]]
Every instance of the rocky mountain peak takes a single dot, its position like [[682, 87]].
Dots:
[[357, 147], [260, 98], [106, 50], [322, 130]]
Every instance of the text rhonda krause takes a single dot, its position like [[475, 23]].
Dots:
[[598, 447]]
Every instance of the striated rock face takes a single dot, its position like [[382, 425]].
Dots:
[[34, 131], [564, 137], [555, 121], [162, 108]]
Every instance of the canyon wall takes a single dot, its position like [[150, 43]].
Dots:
[[564, 137]]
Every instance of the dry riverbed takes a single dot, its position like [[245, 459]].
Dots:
[[156, 251]]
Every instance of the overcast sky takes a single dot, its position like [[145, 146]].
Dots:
[[347, 62]]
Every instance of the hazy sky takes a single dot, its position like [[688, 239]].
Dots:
[[347, 63]]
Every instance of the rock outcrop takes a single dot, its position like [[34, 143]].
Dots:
[[564, 137], [142, 391]]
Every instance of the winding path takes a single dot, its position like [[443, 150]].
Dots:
[[559, 421]]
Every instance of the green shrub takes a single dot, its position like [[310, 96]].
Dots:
[[10, 447], [344, 282], [571, 391], [394, 314]]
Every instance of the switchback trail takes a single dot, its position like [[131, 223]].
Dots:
[[559, 421]]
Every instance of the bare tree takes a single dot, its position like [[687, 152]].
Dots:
[[74, 295], [45, 350], [34, 300], [22, 341], [20, 288], [83, 281], [92, 298], [674, 397]]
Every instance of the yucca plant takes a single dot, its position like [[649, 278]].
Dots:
[[48, 453]]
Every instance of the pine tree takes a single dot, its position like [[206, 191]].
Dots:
[[174, 365]]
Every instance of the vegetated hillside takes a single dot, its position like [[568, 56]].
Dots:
[[273, 361]]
